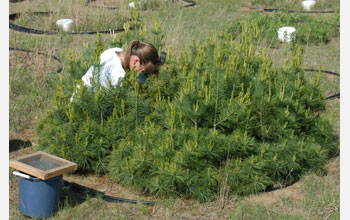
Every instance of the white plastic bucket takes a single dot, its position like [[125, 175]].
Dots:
[[308, 4], [286, 34], [64, 24], [133, 4]]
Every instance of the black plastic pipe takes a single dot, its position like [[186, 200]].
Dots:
[[35, 31], [191, 3], [16, 1], [323, 71], [336, 95], [82, 189], [31, 51]]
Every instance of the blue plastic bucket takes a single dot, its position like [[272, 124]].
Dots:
[[39, 198]]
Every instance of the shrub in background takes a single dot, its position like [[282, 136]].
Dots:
[[218, 116], [309, 30]]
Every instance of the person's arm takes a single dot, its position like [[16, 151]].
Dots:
[[86, 78]]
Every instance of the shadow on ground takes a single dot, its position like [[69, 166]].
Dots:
[[16, 144], [75, 194]]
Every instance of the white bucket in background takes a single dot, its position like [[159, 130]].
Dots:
[[308, 4], [132, 4], [286, 34], [64, 24]]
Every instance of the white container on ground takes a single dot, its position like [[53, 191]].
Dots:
[[132, 4], [308, 4], [64, 24], [286, 34]]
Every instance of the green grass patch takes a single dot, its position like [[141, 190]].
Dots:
[[309, 30], [254, 211], [30, 92], [321, 200]]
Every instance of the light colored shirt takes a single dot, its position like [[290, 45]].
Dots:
[[111, 68]]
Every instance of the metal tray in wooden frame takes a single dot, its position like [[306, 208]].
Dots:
[[42, 165]]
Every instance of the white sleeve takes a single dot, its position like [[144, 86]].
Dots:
[[75, 93], [87, 76]]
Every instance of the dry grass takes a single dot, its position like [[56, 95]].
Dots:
[[38, 64], [86, 20]]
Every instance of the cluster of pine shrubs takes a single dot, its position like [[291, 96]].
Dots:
[[217, 117]]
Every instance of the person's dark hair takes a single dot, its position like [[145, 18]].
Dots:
[[148, 55]]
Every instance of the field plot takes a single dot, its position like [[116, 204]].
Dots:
[[87, 20], [222, 55]]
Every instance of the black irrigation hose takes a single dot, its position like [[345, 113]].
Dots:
[[15, 27], [35, 31], [31, 51], [323, 71], [191, 3], [16, 1], [82, 189], [290, 11], [336, 95]]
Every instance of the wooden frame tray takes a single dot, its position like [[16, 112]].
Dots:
[[42, 165]]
